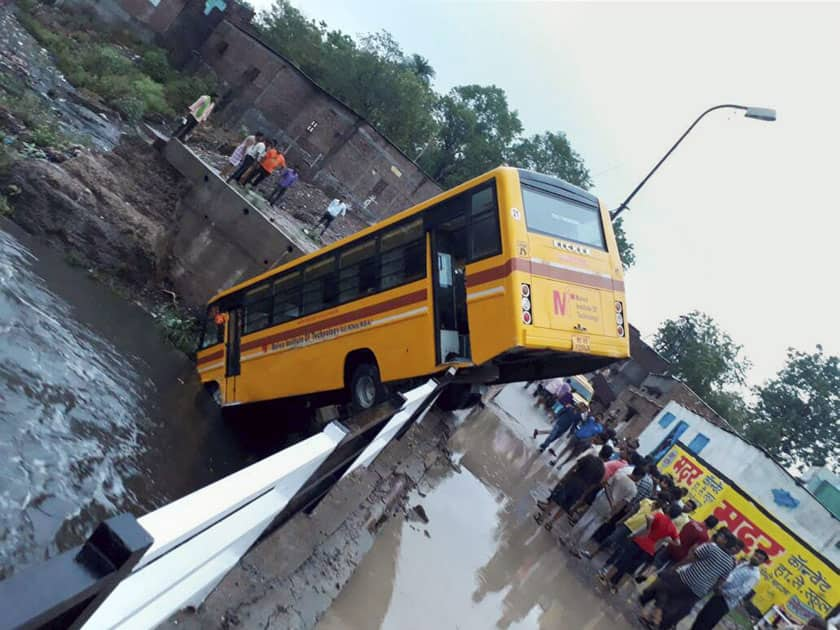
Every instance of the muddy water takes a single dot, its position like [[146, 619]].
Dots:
[[481, 561], [98, 414]]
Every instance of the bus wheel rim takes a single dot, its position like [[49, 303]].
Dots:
[[366, 391]]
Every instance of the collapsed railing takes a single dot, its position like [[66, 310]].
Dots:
[[135, 573]]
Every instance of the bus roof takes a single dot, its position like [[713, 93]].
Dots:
[[403, 214]]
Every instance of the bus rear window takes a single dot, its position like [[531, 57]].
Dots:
[[555, 216]]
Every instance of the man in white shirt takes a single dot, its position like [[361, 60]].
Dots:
[[337, 208]]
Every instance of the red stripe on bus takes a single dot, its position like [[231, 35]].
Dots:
[[374, 309], [542, 269], [209, 357]]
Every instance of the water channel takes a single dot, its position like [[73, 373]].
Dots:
[[98, 413]]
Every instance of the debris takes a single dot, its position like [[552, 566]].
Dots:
[[420, 513]]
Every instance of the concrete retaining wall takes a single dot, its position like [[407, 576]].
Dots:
[[289, 579], [221, 238]]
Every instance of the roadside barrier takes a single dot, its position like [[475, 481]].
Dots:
[[136, 573]]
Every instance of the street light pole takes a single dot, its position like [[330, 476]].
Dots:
[[758, 113]]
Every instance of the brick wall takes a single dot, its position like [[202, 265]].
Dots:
[[328, 143]]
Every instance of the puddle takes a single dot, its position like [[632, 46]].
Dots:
[[480, 561]]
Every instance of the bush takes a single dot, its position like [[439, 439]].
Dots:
[[6, 208], [46, 136], [156, 65]]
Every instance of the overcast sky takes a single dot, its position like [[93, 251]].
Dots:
[[742, 221]]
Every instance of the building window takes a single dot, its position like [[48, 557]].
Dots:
[[698, 443], [666, 420], [221, 48], [311, 126], [250, 75]]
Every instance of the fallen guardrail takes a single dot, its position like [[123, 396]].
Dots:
[[136, 573]]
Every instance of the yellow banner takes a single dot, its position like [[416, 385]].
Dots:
[[794, 578]]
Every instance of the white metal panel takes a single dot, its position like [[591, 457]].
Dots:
[[413, 399], [200, 537]]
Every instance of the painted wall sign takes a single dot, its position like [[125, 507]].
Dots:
[[796, 578]]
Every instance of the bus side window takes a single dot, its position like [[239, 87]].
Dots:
[[358, 272], [485, 238], [320, 285], [402, 254], [213, 332], [257, 308], [287, 294]]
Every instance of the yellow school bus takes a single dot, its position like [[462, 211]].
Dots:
[[511, 276]]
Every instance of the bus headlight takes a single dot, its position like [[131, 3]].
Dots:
[[619, 319], [620, 330]]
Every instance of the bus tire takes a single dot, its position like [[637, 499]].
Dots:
[[457, 396], [365, 387]]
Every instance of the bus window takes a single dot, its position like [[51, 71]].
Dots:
[[484, 224], [555, 216], [357, 275], [403, 254], [287, 290], [257, 308], [320, 288], [214, 332]]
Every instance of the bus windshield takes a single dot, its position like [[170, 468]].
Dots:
[[555, 216]]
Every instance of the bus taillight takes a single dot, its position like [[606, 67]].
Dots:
[[525, 290]]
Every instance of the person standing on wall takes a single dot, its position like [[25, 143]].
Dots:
[[252, 155], [733, 591], [287, 179], [199, 112], [271, 161], [337, 208], [238, 154]]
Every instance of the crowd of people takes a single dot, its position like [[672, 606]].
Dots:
[[636, 523]]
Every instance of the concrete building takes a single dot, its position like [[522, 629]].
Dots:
[[757, 474], [331, 145], [825, 486]]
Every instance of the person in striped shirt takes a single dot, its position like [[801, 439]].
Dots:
[[737, 587], [676, 592]]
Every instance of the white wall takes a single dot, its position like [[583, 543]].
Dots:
[[756, 474]]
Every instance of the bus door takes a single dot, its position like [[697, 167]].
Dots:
[[232, 349], [450, 292]]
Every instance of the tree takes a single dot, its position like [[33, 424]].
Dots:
[[702, 355], [626, 249], [551, 153], [476, 129], [420, 66], [797, 413]]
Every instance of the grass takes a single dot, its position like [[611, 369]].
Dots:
[[132, 77], [27, 107]]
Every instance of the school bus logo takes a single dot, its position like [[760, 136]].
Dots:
[[560, 301]]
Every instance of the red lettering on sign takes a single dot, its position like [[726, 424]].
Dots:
[[559, 303]]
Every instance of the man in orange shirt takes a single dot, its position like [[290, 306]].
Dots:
[[272, 159]]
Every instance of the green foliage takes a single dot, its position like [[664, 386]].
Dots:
[[180, 328], [626, 249], [132, 77], [552, 154], [45, 136], [477, 127], [797, 413], [702, 355], [5, 207]]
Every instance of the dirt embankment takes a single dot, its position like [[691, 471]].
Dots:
[[113, 213]]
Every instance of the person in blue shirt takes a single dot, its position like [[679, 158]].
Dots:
[[582, 438], [564, 420]]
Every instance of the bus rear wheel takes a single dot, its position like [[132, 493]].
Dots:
[[366, 389]]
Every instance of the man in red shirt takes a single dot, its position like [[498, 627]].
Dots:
[[660, 527], [692, 534]]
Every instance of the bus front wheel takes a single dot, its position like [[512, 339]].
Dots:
[[366, 389]]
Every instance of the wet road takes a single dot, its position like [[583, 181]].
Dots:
[[481, 561], [98, 414]]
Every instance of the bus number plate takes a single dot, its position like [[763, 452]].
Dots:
[[580, 343]]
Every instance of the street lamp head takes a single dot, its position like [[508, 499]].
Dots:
[[761, 113]]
